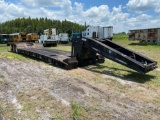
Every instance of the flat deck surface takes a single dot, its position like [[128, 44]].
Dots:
[[56, 54]]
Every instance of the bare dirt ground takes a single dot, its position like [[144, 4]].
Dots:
[[33, 90]]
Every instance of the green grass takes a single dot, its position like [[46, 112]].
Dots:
[[120, 37], [26, 107], [77, 110], [4, 53], [3, 48], [58, 117], [65, 47]]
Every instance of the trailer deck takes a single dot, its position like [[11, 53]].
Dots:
[[59, 58]]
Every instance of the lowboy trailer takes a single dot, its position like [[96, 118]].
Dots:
[[84, 52], [92, 46]]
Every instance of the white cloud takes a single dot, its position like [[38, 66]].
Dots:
[[118, 19], [118, 15], [10, 11], [95, 12], [3, 5], [78, 7], [95, 15], [157, 10], [47, 13], [46, 3], [76, 12], [143, 17], [140, 22], [65, 5], [14, 10], [141, 5], [117, 10]]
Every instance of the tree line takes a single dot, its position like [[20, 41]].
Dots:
[[38, 25]]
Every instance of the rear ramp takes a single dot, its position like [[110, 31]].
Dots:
[[112, 51]]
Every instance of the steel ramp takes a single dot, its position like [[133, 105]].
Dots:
[[121, 55]]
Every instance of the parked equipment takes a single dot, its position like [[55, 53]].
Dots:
[[86, 51], [18, 37], [4, 38], [32, 37], [23, 37], [63, 38], [151, 35], [76, 35], [98, 32], [49, 38]]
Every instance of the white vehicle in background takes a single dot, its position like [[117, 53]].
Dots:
[[98, 32], [49, 38], [63, 38]]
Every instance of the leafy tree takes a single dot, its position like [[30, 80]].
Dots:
[[38, 25]]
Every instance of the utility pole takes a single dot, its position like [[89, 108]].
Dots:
[[85, 25], [0, 28]]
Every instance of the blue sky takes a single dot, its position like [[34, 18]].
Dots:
[[91, 3], [123, 15]]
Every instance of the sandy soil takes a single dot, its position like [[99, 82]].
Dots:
[[33, 90]]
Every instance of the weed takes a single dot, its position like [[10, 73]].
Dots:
[[98, 80], [25, 107], [1, 76], [21, 94], [108, 99], [1, 110], [77, 110], [5, 82], [58, 116]]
